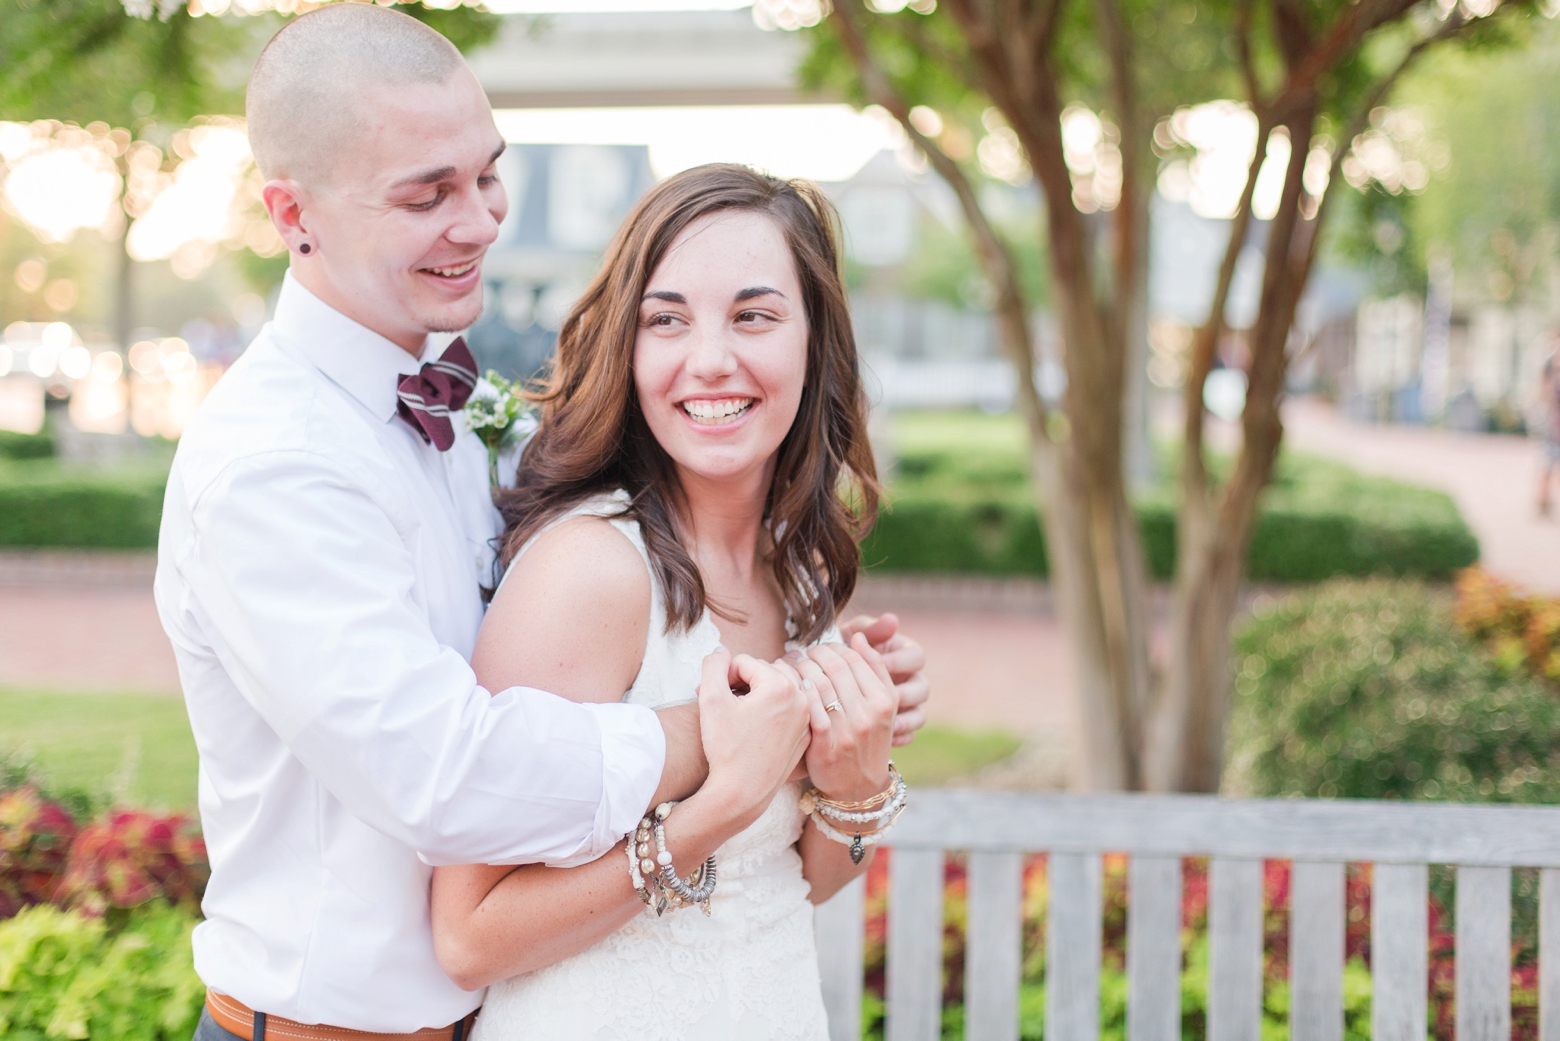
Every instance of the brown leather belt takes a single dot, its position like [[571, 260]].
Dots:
[[235, 1017]]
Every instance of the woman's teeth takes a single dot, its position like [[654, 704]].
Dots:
[[713, 413], [451, 272]]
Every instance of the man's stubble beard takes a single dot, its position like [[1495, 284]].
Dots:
[[449, 323]]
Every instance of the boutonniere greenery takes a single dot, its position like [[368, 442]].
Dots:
[[499, 415]]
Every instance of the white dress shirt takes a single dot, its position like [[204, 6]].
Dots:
[[318, 573]]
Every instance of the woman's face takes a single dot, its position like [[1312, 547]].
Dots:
[[720, 358]]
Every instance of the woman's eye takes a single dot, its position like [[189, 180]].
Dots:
[[661, 319], [749, 316]]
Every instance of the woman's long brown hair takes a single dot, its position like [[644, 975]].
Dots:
[[593, 436]]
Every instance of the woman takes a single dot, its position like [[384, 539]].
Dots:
[[697, 483]]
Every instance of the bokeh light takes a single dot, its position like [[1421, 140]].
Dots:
[[203, 205], [75, 362], [60, 179]]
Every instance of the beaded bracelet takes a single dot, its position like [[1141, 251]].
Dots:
[[859, 841], [882, 809], [671, 890]]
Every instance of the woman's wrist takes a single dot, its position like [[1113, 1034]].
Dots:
[[864, 788]]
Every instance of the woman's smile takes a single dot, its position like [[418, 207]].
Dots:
[[716, 412]]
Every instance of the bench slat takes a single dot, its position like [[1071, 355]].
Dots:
[[1235, 950], [1483, 954], [1549, 954], [1316, 914], [1202, 825], [994, 946], [915, 927], [839, 925], [1154, 949], [1399, 951], [1072, 947]]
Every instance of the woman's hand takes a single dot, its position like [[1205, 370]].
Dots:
[[754, 740], [847, 759], [905, 660]]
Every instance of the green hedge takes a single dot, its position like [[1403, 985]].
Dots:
[[26, 446], [971, 512], [45, 504]]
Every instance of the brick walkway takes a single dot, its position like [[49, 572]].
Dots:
[[997, 656], [88, 622], [1493, 478]]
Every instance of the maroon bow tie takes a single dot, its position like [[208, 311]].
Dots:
[[428, 396]]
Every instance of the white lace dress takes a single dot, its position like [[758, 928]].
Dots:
[[749, 972]]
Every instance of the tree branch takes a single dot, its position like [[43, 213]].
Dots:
[[1455, 25], [1344, 35], [1205, 341], [1248, 66], [996, 257]]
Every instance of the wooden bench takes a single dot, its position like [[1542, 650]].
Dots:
[[996, 829]]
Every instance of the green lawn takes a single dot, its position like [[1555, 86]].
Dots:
[[135, 748], [939, 754]]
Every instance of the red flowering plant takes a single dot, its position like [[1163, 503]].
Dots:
[[1521, 630], [131, 857], [35, 839]]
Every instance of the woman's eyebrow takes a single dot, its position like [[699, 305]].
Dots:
[[757, 291], [665, 294]]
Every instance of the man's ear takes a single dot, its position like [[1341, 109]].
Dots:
[[285, 201]]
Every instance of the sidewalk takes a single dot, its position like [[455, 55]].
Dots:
[[1492, 477]]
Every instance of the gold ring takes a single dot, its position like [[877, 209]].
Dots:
[[833, 706]]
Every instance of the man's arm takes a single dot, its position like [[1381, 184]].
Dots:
[[310, 595], [686, 768]]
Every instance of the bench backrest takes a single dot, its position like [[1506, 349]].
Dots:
[[1401, 840]]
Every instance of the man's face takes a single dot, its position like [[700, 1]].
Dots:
[[408, 212]]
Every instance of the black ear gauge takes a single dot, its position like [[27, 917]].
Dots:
[[303, 248]]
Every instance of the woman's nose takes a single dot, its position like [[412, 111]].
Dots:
[[710, 354]]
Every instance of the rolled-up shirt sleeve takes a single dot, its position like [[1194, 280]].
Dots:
[[304, 574]]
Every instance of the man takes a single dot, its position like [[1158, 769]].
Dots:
[[325, 534], [1547, 415]]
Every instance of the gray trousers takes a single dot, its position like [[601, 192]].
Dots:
[[209, 1029]]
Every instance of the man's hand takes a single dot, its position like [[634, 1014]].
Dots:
[[905, 661]]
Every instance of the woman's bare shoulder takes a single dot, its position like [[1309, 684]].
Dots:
[[571, 617]]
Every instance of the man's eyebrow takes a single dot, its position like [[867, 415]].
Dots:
[[753, 292], [434, 176], [442, 173], [665, 294]]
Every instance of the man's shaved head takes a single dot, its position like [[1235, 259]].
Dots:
[[306, 94]]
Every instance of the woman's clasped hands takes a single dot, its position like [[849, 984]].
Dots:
[[826, 714]]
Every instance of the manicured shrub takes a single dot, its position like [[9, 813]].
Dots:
[[956, 512], [26, 446], [64, 974], [1368, 689], [44, 504]]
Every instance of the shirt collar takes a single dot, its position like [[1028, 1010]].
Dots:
[[359, 360]]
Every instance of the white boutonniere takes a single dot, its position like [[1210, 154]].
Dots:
[[500, 416]]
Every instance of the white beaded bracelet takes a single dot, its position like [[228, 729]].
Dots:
[[671, 890]]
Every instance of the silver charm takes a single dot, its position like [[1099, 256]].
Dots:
[[857, 850]]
